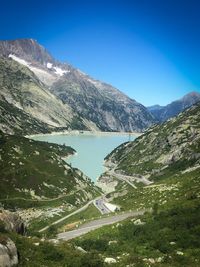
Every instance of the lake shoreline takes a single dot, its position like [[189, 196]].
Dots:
[[77, 132]]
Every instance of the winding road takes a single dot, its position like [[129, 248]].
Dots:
[[126, 178]]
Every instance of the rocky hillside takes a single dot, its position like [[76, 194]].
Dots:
[[15, 120], [95, 105], [163, 113], [26, 104], [33, 171], [163, 149]]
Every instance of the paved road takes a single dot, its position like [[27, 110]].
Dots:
[[87, 227]]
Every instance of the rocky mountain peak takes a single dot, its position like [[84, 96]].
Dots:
[[28, 49]]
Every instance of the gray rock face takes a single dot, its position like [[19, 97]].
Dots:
[[163, 113], [101, 103], [8, 253], [92, 104], [12, 222]]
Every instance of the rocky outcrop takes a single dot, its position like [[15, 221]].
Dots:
[[8, 253], [12, 222]]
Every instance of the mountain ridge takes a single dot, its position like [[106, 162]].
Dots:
[[163, 113]]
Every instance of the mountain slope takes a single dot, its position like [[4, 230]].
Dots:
[[24, 177], [98, 105], [15, 120], [22, 92], [101, 103], [163, 149], [163, 113]]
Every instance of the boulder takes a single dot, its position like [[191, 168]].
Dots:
[[8, 253]]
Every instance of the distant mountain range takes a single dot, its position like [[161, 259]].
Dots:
[[55, 95], [163, 113]]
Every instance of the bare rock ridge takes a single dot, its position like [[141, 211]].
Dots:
[[163, 113], [83, 102]]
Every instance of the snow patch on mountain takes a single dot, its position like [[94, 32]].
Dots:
[[59, 71], [49, 65], [20, 60]]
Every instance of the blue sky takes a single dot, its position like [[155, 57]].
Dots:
[[149, 49]]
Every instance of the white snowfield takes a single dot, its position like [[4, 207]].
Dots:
[[49, 65], [20, 60], [58, 71]]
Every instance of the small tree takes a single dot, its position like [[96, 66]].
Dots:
[[155, 209]]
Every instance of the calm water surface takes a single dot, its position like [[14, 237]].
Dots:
[[91, 149]]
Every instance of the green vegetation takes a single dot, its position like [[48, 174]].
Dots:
[[166, 238], [42, 221], [33, 253], [165, 193]]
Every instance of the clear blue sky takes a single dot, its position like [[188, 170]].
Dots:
[[148, 49]]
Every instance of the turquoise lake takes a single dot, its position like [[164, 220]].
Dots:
[[91, 149]]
